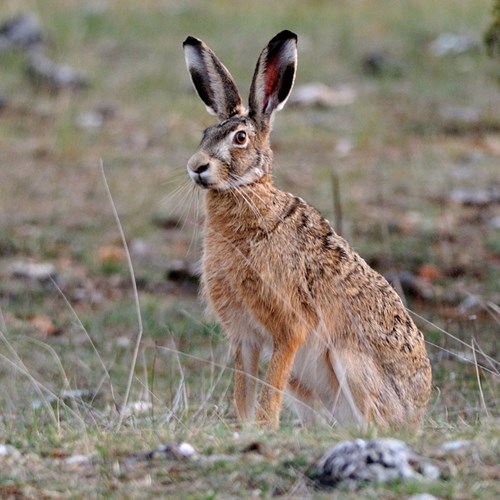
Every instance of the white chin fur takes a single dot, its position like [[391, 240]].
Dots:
[[249, 177]]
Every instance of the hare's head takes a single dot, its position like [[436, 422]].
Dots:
[[236, 151]]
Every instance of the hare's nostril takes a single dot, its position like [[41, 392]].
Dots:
[[199, 169]]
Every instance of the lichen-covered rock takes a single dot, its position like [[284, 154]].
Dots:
[[352, 464]]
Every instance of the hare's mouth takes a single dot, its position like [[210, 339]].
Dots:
[[202, 181]]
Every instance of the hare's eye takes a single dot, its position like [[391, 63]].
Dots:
[[240, 137]]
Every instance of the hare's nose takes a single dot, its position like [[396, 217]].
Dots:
[[198, 163], [199, 169]]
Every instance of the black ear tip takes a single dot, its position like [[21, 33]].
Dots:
[[284, 35], [191, 40]]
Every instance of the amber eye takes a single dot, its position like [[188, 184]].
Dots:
[[240, 137]]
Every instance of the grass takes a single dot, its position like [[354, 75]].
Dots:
[[394, 185]]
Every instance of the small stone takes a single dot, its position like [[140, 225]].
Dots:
[[182, 271], [36, 271], [456, 445], [411, 285], [319, 94], [472, 304], [91, 120], [379, 63], [78, 460], [140, 248], [22, 32], [6, 450], [43, 71], [186, 450], [137, 408], [476, 197], [452, 43]]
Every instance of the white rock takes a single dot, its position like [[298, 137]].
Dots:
[[6, 450], [186, 450], [78, 460], [37, 271], [355, 463], [319, 94], [137, 408]]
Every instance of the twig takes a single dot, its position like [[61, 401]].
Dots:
[[481, 395]]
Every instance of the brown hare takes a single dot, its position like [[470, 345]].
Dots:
[[279, 279]]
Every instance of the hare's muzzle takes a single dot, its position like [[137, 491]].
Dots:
[[199, 167]]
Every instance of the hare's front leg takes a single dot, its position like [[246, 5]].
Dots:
[[246, 356], [278, 373]]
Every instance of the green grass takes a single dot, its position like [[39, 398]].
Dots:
[[394, 191]]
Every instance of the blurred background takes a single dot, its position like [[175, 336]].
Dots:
[[392, 131]]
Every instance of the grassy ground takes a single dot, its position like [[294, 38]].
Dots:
[[399, 151]]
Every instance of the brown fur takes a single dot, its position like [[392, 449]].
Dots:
[[281, 280]]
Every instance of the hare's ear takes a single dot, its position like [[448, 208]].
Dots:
[[212, 81], [274, 76]]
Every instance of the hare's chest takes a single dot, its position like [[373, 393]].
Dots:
[[236, 273]]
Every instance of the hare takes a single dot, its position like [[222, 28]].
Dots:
[[282, 282]]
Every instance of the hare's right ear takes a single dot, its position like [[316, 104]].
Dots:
[[273, 78], [212, 81]]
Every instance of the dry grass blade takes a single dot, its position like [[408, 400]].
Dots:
[[136, 297]]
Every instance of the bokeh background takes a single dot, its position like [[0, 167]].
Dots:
[[393, 132]]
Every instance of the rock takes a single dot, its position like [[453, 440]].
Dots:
[[353, 464], [423, 496], [471, 305], [379, 64], [319, 94], [411, 285], [178, 450], [183, 271], [141, 248], [22, 31], [166, 221], [494, 222], [91, 120], [6, 450], [455, 446], [44, 72], [452, 43], [78, 395], [41, 272], [259, 448], [78, 460], [460, 119], [476, 197], [135, 408], [94, 119]]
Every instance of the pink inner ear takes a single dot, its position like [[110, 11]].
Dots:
[[270, 79]]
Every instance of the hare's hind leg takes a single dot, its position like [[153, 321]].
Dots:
[[246, 356], [347, 399], [302, 400]]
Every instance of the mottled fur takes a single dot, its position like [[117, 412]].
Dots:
[[280, 280]]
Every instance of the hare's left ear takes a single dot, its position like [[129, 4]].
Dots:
[[211, 80], [273, 78]]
